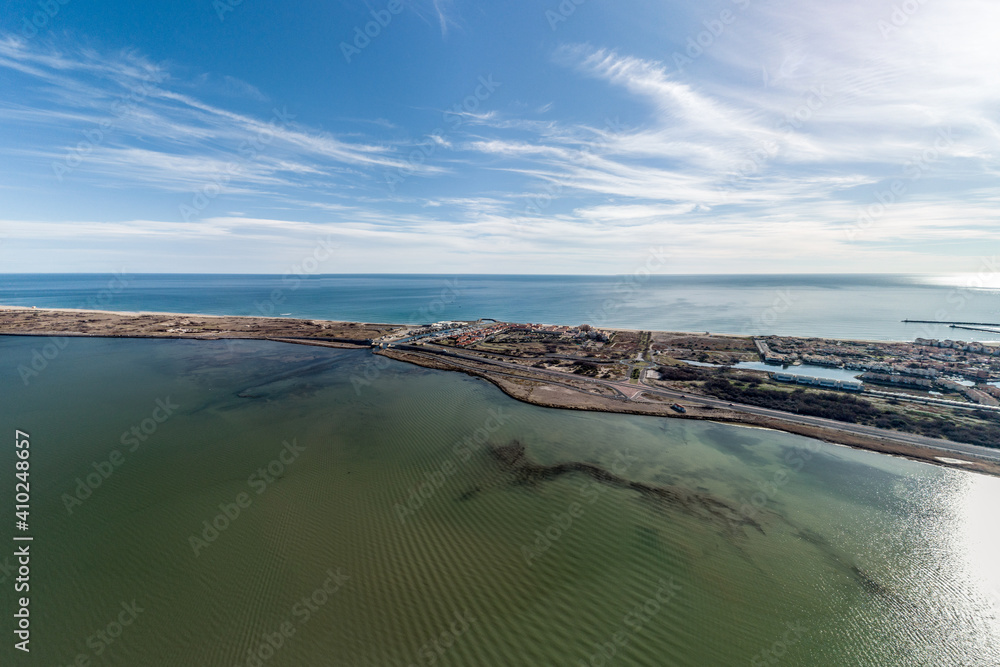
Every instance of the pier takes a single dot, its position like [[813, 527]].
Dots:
[[959, 326], [969, 324]]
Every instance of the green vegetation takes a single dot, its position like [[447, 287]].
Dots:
[[682, 373], [853, 410], [645, 338]]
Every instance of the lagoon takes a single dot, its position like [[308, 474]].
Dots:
[[395, 537]]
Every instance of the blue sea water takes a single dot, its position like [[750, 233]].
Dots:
[[834, 306]]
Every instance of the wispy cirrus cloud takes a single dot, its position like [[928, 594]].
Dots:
[[824, 137], [762, 153], [154, 130]]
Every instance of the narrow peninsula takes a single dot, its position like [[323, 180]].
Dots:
[[920, 400]]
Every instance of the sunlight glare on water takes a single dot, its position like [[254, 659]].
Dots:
[[977, 546], [984, 280], [961, 615]]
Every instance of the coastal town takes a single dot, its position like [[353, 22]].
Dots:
[[925, 393], [941, 370], [969, 370], [945, 372]]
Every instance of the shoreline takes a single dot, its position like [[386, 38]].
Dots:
[[139, 313], [135, 313], [558, 391], [887, 446]]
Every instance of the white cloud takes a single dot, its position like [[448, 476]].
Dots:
[[156, 134], [763, 153]]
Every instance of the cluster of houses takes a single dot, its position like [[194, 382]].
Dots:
[[976, 394], [946, 351], [904, 380], [917, 371], [894, 369], [976, 348], [768, 355], [821, 360], [990, 389], [902, 364], [873, 366], [471, 336], [983, 394], [829, 383], [479, 334]]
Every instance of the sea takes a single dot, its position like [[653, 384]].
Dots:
[[251, 503], [866, 307]]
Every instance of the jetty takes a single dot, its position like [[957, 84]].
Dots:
[[968, 324], [960, 326]]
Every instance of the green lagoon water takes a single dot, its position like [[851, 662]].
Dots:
[[859, 559]]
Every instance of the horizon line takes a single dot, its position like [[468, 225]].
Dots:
[[569, 275]]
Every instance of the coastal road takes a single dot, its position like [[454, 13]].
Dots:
[[629, 393], [558, 378], [859, 429]]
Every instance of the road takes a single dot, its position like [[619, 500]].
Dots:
[[559, 378], [628, 392], [859, 429]]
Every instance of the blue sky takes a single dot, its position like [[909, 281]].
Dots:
[[516, 137]]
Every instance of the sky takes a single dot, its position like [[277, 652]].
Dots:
[[524, 136]]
